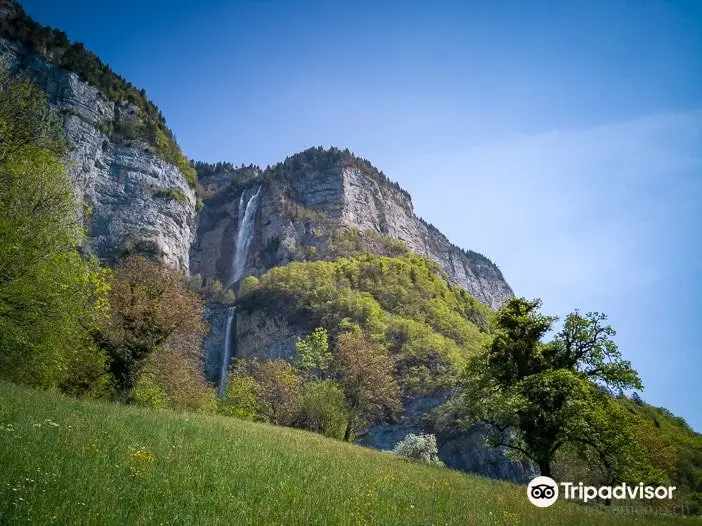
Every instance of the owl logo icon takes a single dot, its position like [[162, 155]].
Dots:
[[542, 491]]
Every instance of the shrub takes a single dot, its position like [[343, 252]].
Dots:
[[323, 409], [176, 194], [419, 447], [249, 284], [241, 399], [174, 380]]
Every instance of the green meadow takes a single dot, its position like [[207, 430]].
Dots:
[[64, 461]]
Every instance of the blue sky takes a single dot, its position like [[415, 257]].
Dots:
[[562, 139]]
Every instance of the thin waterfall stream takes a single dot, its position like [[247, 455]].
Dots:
[[244, 235]]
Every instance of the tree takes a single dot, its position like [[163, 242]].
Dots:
[[241, 399], [538, 397], [312, 352], [51, 297], [365, 373], [151, 307], [276, 388], [176, 381], [323, 409]]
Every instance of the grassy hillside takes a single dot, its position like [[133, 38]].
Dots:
[[68, 462]]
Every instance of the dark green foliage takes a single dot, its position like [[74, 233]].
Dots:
[[205, 169], [551, 394], [152, 309], [54, 46]]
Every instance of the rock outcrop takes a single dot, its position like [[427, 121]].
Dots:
[[132, 200], [301, 202]]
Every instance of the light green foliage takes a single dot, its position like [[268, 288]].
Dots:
[[671, 446], [50, 297], [241, 399], [323, 409], [98, 463], [249, 284], [313, 356], [148, 393], [215, 286], [549, 394], [401, 303]]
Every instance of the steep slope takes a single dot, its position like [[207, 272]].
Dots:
[[69, 462], [133, 198], [305, 199]]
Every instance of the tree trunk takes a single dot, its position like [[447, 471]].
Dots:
[[347, 433], [545, 467]]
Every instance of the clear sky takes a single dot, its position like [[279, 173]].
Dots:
[[562, 139]]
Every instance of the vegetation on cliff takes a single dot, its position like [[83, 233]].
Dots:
[[51, 297], [54, 46], [427, 325]]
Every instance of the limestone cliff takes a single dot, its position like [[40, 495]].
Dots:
[[132, 200], [313, 193]]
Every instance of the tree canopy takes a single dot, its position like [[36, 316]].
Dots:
[[51, 297], [539, 397]]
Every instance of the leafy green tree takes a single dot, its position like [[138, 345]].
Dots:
[[50, 296], [365, 373], [275, 385], [175, 381], [323, 409], [539, 397], [241, 399], [313, 356]]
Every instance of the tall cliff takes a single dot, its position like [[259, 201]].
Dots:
[[132, 199], [305, 199]]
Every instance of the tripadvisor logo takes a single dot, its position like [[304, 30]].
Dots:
[[543, 491]]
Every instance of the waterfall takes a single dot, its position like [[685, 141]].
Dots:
[[227, 350], [244, 235]]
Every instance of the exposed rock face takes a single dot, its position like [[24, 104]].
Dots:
[[132, 199], [462, 450], [352, 195], [336, 197]]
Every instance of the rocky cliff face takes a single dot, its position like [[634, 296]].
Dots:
[[132, 200], [301, 202]]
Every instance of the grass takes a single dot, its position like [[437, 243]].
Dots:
[[65, 461]]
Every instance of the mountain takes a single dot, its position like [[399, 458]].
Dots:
[[224, 224], [310, 194]]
